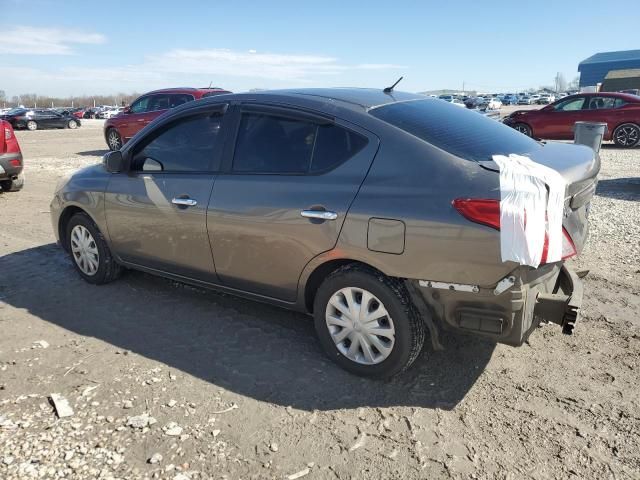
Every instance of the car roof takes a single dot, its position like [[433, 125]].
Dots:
[[186, 90], [366, 98], [624, 96]]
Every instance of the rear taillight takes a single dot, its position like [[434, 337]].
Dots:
[[479, 210], [7, 134], [487, 212]]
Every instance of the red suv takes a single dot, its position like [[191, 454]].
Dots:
[[11, 178], [620, 111], [119, 129]]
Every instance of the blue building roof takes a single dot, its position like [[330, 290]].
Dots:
[[595, 68]]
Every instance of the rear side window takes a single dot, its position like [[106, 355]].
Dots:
[[177, 99], [461, 132], [278, 145], [158, 102]]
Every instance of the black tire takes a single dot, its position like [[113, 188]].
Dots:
[[13, 185], [32, 125], [114, 140], [108, 269], [409, 327], [72, 124], [626, 135], [523, 128]]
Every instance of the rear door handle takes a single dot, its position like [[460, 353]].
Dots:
[[184, 202], [319, 214]]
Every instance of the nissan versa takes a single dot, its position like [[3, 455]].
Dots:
[[376, 212]]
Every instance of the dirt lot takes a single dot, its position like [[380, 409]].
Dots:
[[168, 381]]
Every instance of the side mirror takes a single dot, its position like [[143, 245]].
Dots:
[[114, 162], [127, 109]]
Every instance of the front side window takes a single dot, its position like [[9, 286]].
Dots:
[[570, 105], [140, 105], [186, 145], [278, 145]]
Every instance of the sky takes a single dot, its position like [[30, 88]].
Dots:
[[70, 47]]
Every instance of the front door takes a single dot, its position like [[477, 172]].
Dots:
[[142, 112], [156, 213], [560, 118], [288, 183]]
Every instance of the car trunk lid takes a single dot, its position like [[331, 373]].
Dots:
[[579, 166]]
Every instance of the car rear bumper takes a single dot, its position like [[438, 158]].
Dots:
[[509, 311], [7, 168]]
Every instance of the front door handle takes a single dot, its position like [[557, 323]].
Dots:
[[184, 202], [319, 214]]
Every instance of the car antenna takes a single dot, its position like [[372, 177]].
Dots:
[[390, 89], [210, 83]]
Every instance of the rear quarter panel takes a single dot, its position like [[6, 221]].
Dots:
[[416, 183]]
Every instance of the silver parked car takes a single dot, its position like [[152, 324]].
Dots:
[[375, 212]]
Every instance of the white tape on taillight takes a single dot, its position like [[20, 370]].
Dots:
[[7, 133], [531, 210]]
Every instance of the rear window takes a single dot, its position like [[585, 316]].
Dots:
[[461, 132]]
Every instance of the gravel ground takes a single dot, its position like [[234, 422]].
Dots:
[[169, 381]]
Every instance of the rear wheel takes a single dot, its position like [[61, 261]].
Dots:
[[627, 135], [524, 129], [89, 251], [72, 124], [14, 185], [32, 125], [367, 323], [114, 141]]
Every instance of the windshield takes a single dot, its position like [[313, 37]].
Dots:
[[459, 131], [14, 111]]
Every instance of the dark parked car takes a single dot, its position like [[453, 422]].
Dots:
[[119, 129], [334, 202], [11, 178], [32, 119], [620, 111]]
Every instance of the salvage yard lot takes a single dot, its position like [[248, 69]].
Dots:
[[236, 389]]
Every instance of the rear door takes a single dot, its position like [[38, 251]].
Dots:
[[289, 179], [156, 213]]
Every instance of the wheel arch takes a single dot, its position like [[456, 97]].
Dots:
[[321, 270], [611, 132], [66, 215]]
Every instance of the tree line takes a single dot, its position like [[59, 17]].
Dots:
[[34, 100]]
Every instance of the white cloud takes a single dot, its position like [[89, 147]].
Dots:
[[24, 40], [232, 69]]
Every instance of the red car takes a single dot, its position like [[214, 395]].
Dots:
[[620, 111], [119, 129], [11, 178]]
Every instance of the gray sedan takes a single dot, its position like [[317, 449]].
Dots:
[[375, 212]]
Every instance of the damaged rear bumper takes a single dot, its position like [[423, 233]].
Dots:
[[511, 310], [563, 305]]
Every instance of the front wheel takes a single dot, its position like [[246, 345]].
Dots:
[[114, 140], [32, 125], [89, 251], [627, 135], [366, 322], [72, 124], [523, 128]]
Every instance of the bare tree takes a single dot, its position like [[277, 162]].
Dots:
[[561, 83]]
